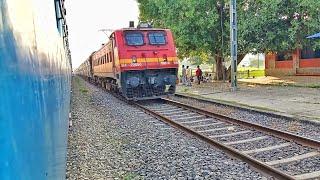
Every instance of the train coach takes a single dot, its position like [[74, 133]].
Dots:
[[140, 63], [35, 85]]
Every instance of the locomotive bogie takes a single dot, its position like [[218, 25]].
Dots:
[[148, 84]]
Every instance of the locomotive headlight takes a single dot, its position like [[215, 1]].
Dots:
[[134, 59]]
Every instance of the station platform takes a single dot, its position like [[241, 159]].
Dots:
[[293, 96]]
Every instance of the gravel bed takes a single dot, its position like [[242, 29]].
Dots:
[[300, 167], [285, 152], [302, 128], [270, 141], [111, 140]]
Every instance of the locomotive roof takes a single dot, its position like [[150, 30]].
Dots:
[[142, 29], [130, 29]]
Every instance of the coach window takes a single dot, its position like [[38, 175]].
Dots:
[[157, 38], [134, 38]]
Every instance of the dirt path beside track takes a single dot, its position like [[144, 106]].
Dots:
[[299, 100]]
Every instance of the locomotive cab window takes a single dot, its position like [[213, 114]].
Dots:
[[134, 38], [157, 38]]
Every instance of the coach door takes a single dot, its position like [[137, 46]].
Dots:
[[114, 53]]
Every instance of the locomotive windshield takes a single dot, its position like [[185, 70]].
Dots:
[[134, 39], [157, 38]]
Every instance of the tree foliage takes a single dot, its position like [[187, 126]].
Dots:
[[278, 25], [195, 23], [201, 27]]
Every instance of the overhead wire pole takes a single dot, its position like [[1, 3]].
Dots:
[[222, 41], [233, 37]]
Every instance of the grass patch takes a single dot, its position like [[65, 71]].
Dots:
[[185, 89], [313, 86], [84, 90], [245, 74], [130, 176], [250, 68], [80, 85]]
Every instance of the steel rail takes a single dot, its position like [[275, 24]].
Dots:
[[225, 148], [281, 134]]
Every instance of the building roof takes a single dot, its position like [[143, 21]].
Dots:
[[315, 36]]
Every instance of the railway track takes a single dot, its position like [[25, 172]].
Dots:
[[279, 154]]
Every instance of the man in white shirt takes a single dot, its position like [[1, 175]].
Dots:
[[184, 75]]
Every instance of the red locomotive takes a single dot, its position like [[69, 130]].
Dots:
[[140, 63]]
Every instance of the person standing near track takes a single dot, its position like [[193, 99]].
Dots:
[[184, 75], [188, 76], [198, 74]]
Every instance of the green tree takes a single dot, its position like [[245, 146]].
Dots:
[[278, 25], [201, 27]]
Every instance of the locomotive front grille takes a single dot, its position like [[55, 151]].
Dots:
[[148, 91], [149, 83]]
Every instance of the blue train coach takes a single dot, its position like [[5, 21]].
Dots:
[[35, 76]]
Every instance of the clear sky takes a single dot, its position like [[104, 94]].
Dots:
[[86, 18]]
